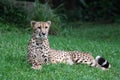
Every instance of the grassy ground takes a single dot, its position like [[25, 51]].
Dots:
[[97, 39]]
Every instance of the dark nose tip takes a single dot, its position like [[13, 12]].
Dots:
[[43, 33]]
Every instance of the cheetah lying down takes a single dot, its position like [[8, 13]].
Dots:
[[39, 51]]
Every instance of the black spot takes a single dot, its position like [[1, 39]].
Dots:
[[37, 43], [34, 56], [101, 61], [106, 65], [85, 61], [76, 61], [91, 63], [44, 56]]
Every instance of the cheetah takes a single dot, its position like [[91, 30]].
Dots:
[[38, 47], [39, 51]]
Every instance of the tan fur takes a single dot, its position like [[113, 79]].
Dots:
[[38, 47], [39, 51]]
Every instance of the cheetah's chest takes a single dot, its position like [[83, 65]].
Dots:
[[39, 47]]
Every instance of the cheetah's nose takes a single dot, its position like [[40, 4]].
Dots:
[[43, 33]]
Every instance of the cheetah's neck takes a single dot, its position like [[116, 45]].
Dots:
[[42, 44]]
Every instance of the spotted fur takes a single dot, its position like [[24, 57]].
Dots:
[[38, 47], [39, 51]]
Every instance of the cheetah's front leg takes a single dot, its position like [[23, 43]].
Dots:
[[36, 65]]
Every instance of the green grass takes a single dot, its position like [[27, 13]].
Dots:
[[97, 39]]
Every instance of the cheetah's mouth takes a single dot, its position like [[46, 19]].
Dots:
[[43, 36], [39, 36]]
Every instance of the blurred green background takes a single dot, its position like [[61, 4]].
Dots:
[[60, 12]]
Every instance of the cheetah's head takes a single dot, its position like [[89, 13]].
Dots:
[[41, 29]]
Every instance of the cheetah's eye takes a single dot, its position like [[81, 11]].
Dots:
[[46, 27], [39, 27]]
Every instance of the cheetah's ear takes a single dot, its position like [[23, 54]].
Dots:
[[49, 22], [33, 23]]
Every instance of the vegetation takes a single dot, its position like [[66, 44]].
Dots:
[[87, 10], [44, 13], [58, 11], [97, 39], [11, 13]]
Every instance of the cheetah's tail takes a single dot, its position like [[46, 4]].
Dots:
[[104, 64]]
